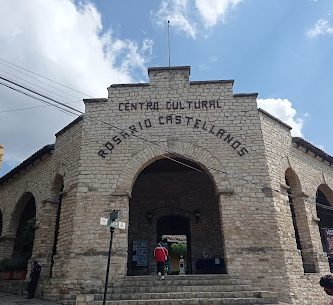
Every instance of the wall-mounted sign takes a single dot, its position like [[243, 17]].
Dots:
[[140, 253]]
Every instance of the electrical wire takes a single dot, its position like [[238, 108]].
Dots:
[[29, 83], [35, 78], [25, 69]]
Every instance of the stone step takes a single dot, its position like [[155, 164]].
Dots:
[[176, 281], [189, 301], [186, 295], [189, 288]]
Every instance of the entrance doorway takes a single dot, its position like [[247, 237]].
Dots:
[[176, 231], [175, 198]]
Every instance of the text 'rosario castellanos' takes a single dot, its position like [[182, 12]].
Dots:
[[172, 119]]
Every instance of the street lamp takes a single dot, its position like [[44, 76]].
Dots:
[[111, 223]]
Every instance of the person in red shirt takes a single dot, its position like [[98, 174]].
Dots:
[[326, 282], [161, 254]]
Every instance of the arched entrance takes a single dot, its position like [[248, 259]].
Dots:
[[25, 218], [170, 198], [324, 203]]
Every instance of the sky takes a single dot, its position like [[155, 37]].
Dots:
[[280, 49]]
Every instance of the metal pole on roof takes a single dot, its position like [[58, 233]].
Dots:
[[169, 40]]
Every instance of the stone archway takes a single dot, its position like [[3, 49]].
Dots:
[[300, 222], [24, 219], [324, 207], [166, 188]]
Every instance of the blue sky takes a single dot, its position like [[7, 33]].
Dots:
[[281, 49]]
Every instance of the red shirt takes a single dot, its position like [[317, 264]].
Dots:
[[161, 253]]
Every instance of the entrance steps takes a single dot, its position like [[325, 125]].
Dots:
[[219, 289]]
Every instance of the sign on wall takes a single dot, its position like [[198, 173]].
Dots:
[[329, 239], [140, 253]]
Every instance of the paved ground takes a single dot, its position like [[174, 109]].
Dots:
[[11, 299]]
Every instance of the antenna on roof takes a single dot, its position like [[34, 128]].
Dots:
[[169, 40]]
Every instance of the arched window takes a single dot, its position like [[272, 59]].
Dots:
[[299, 219]]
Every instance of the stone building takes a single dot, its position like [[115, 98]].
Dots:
[[175, 157]]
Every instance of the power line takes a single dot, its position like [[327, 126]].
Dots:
[[39, 87], [36, 98], [25, 69], [42, 95], [35, 78]]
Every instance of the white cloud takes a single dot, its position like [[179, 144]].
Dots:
[[67, 43], [178, 12], [321, 27], [190, 15], [283, 110], [212, 11]]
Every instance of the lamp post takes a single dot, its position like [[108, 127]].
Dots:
[[108, 265], [112, 225]]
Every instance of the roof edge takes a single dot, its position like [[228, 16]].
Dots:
[[310, 147], [71, 124], [222, 81], [254, 94], [94, 100], [275, 118], [129, 85], [37, 155], [151, 69]]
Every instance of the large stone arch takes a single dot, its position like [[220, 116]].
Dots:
[[197, 154], [22, 226]]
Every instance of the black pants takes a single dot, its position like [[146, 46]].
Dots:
[[32, 286], [161, 267]]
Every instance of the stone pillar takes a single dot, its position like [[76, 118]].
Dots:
[[319, 256], [44, 235], [7, 242], [225, 207], [304, 220], [119, 254]]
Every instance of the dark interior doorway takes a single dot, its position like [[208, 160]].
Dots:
[[176, 225]]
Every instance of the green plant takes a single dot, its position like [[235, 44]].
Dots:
[[178, 249]]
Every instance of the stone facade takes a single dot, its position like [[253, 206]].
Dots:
[[242, 167]]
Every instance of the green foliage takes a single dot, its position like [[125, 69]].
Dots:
[[178, 249], [25, 239], [13, 264]]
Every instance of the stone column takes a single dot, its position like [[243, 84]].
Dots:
[[225, 207], [7, 242], [44, 235], [319, 256], [120, 238]]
